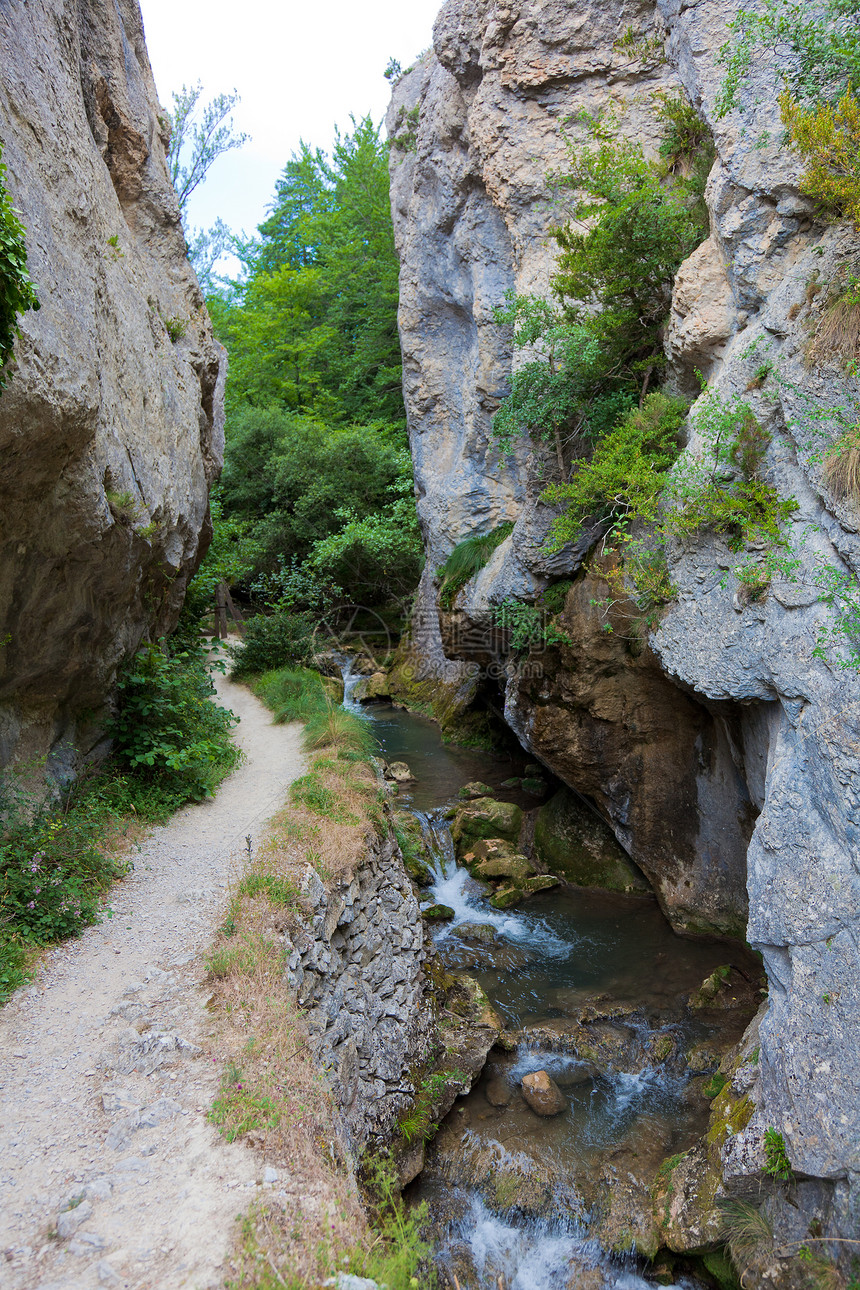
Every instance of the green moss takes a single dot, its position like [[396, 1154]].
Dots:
[[720, 1267], [729, 1115], [485, 818], [573, 843], [715, 1085]]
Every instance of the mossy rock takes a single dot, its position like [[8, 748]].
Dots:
[[333, 687], [721, 1268], [485, 818], [536, 787], [419, 870], [481, 933], [489, 849], [476, 789], [375, 688], [573, 843], [516, 868], [507, 897], [438, 913], [540, 882], [511, 783]]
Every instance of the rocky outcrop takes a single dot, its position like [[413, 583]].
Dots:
[[721, 748], [111, 427], [357, 967], [397, 1037]]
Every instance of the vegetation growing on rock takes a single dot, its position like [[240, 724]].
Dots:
[[17, 292]]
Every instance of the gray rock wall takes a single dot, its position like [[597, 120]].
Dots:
[[357, 966], [472, 213], [110, 431]]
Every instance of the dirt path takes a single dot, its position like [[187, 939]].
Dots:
[[104, 1075]]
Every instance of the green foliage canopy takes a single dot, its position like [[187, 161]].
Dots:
[[314, 327]]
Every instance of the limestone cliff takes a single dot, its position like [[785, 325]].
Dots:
[[722, 749], [110, 428]]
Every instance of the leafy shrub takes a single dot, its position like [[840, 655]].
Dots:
[[466, 559], [54, 868], [17, 293], [627, 471], [703, 491], [273, 641], [828, 138], [816, 49], [528, 625], [597, 351], [167, 728]]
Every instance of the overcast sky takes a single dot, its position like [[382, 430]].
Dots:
[[301, 69]]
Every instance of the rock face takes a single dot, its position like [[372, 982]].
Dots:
[[357, 966], [111, 427], [722, 747]]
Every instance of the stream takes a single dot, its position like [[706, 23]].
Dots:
[[516, 1200]]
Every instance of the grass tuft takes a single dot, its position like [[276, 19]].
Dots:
[[466, 559], [842, 466]]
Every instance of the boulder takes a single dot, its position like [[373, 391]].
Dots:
[[515, 867], [484, 933], [543, 1094], [485, 818], [373, 689], [438, 913], [398, 772], [498, 1092], [473, 790]]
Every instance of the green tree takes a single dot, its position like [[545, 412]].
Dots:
[[199, 135], [314, 327], [597, 348]]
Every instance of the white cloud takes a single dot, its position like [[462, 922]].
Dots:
[[301, 69]]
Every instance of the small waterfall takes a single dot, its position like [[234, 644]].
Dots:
[[351, 678], [455, 887], [537, 1254]]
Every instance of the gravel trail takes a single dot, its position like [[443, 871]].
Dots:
[[105, 1077]]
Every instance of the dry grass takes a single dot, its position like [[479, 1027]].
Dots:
[[273, 1096], [837, 332], [842, 467]]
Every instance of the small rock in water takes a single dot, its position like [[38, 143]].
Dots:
[[477, 932], [475, 789], [399, 772], [439, 913], [543, 1094], [535, 786], [498, 1092]]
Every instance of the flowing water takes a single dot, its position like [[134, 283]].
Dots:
[[512, 1194]]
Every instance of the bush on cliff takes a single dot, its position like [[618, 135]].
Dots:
[[815, 53], [598, 350], [17, 293]]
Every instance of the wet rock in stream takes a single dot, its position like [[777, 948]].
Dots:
[[542, 1094]]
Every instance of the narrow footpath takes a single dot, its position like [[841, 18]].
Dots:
[[110, 1174]]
